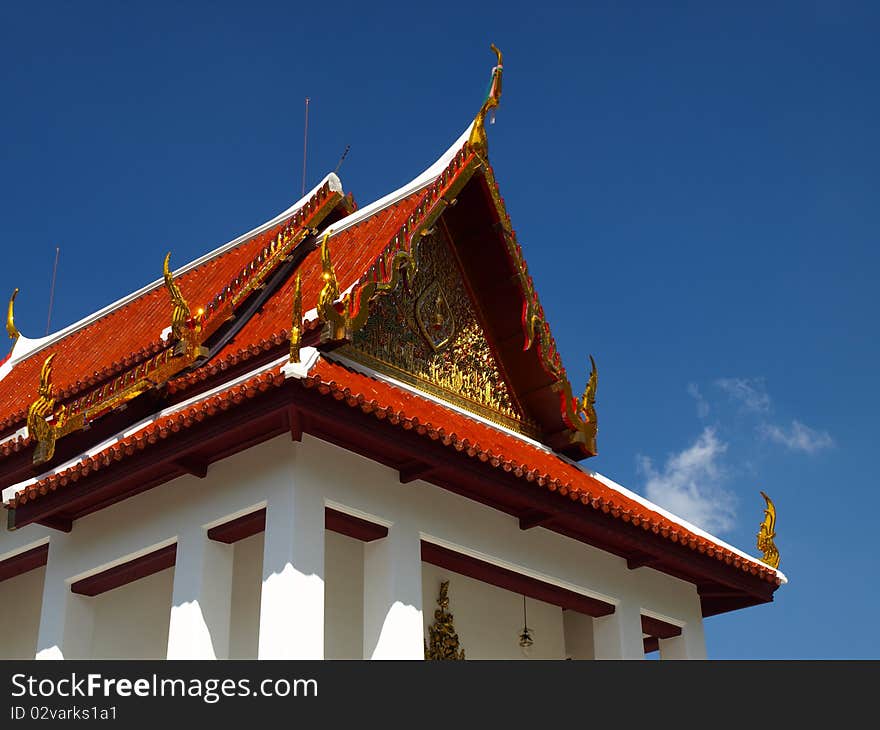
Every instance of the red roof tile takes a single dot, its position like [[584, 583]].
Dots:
[[431, 419], [513, 454], [121, 337]]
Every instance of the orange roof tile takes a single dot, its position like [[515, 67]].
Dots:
[[431, 419]]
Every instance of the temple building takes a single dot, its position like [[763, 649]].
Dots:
[[345, 434]]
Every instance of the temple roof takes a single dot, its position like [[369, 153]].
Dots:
[[112, 389]]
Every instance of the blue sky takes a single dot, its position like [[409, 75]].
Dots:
[[695, 188]]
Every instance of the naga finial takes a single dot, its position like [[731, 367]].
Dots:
[[587, 409], [39, 412], [296, 325], [339, 323], [766, 533], [478, 138], [588, 399], [14, 334], [180, 309]]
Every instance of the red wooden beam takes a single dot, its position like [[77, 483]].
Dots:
[[23, 562], [239, 528], [355, 527], [659, 629], [534, 518], [129, 572], [512, 581], [412, 470], [251, 524], [652, 643]]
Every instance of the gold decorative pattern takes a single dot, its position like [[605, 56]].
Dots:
[[345, 317], [296, 324], [428, 335], [14, 334], [478, 139], [766, 533], [444, 643]]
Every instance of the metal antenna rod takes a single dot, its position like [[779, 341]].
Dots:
[[305, 146], [341, 159], [52, 289]]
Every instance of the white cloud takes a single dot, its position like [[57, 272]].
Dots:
[[798, 437], [702, 404], [749, 392], [689, 484]]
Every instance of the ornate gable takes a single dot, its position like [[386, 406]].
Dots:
[[427, 332]]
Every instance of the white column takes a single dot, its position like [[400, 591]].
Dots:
[[292, 599], [619, 635], [201, 599], [393, 627], [578, 631], [66, 619], [691, 644]]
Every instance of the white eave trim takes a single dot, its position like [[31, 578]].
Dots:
[[676, 519], [418, 182]]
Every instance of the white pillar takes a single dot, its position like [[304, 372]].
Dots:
[[201, 599], [393, 627], [619, 635], [66, 619], [292, 599], [578, 632], [691, 644]]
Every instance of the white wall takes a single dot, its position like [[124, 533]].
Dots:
[[488, 620], [342, 479], [20, 600], [343, 597], [131, 622], [247, 572]]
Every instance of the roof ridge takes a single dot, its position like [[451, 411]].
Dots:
[[426, 177], [25, 347]]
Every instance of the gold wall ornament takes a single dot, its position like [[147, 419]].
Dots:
[[478, 139], [427, 334], [766, 533], [14, 334], [444, 643], [296, 324]]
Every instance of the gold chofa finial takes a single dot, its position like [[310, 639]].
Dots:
[[14, 334], [296, 321], [180, 309], [444, 640], [478, 139], [766, 533]]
